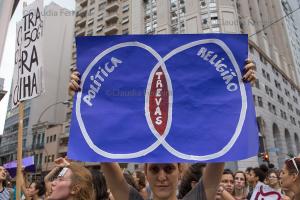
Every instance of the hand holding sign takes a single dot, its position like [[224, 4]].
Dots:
[[164, 98]]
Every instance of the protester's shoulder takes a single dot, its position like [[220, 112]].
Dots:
[[134, 194], [5, 194], [197, 193]]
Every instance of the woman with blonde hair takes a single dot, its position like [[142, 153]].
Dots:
[[73, 182], [240, 185]]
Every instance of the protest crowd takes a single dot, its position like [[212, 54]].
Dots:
[[71, 180], [159, 181]]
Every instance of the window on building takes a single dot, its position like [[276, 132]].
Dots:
[[290, 106], [204, 19], [287, 93], [41, 159], [125, 20], [257, 84], [125, 8], [274, 110], [101, 6], [89, 32], [215, 29], [99, 28], [295, 99], [51, 138], [92, 11], [54, 138], [270, 106], [260, 101], [203, 4], [277, 85], [90, 22], [125, 31], [39, 139], [264, 73], [268, 77], [298, 112], [100, 17], [293, 120]]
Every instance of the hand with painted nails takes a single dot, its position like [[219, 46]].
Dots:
[[249, 71], [74, 84]]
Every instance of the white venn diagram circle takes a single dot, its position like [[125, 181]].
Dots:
[[161, 136]]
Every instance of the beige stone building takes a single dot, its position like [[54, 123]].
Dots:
[[276, 93]]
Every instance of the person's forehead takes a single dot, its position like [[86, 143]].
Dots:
[[239, 175], [227, 177], [68, 173], [2, 168], [272, 174]]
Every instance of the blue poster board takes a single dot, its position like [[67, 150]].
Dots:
[[163, 98]]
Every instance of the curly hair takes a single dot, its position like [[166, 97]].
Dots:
[[82, 179]]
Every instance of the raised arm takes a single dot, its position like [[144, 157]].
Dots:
[[112, 171], [115, 180], [213, 171], [59, 163], [212, 178]]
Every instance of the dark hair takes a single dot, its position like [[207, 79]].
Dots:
[[142, 179], [228, 171], [259, 173], [40, 186], [273, 171], [100, 186], [291, 167], [264, 168], [248, 169], [193, 173], [129, 179]]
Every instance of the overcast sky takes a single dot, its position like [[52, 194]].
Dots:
[[7, 63]]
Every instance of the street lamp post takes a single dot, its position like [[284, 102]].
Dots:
[[37, 126], [60, 102]]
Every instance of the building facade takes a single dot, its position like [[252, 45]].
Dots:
[[271, 40], [57, 44], [2, 91], [291, 10]]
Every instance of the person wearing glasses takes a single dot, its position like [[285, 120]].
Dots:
[[273, 180], [73, 182], [289, 177]]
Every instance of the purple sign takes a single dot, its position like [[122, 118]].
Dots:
[[28, 163]]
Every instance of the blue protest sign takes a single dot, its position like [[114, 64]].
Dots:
[[163, 98], [28, 164]]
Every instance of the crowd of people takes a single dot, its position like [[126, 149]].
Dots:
[[158, 181], [196, 181]]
